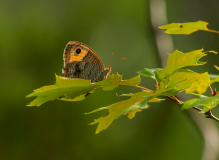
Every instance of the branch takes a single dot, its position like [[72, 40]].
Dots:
[[207, 114]]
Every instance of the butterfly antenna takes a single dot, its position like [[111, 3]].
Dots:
[[110, 59]]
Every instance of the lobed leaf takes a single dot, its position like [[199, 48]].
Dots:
[[184, 79], [208, 103], [200, 82], [71, 87], [170, 86], [136, 103], [77, 89], [214, 78], [178, 60], [185, 28]]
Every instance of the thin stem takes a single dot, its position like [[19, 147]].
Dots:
[[176, 99], [143, 88], [212, 92], [198, 109], [213, 31], [210, 115]]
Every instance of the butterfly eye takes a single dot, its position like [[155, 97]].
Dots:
[[78, 50]]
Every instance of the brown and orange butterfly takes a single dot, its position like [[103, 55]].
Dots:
[[80, 61]]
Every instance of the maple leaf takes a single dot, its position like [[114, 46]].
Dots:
[[182, 80], [178, 60], [77, 89], [208, 103], [213, 78], [169, 86], [136, 103]]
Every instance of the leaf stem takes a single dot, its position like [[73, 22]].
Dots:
[[212, 92], [175, 99], [143, 88], [213, 31]]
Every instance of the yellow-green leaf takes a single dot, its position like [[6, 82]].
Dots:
[[184, 79], [177, 60], [216, 67], [71, 87], [137, 102], [202, 81], [131, 114], [185, 28], [169, 86], [77, 89], [208, 103]]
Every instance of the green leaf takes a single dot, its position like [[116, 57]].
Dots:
[[204, 88], [149, 72], [73, 88], [77, 89], [202, 81], [137, 102], [214, 80], [184, 79], [212, 76], [185, 28], [178, 60], [169, 86], [216, 67], [208, 103]]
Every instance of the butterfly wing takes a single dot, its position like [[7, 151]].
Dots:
[[80, 61]]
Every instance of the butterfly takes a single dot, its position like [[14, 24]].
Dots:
[[81, 61]]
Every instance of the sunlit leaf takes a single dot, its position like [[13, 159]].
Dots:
[[137, 102], [178, 60], [202, 81], [208, 103], [182, 80], [216, 67], [185, 28], [71, 87], [131, 114], [156, 100], [169, 86], [214, 78], [77, 89]]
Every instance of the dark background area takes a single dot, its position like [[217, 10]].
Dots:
[[33, 35]]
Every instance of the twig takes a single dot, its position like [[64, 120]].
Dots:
[[213, 31], [143, 88], [210, 115], [212, 92], [207, 114]]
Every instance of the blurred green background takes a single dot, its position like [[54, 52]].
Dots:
[[33, 35]]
